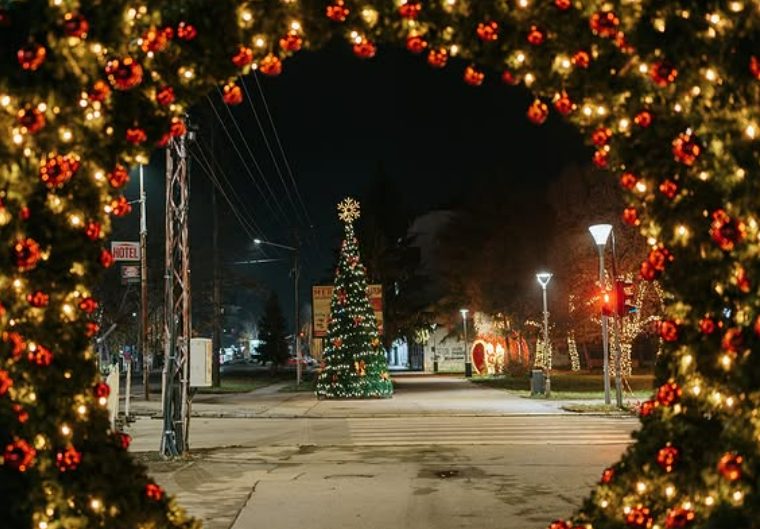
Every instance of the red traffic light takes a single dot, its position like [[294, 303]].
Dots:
[[608, 303]]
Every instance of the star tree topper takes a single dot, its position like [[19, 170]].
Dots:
[[348, 210]]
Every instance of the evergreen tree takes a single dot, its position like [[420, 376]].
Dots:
[[274, 346], [355, 363]]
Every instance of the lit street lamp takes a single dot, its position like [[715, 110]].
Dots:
[[467, 360], [600, 233], [296, 331], [543, 280]]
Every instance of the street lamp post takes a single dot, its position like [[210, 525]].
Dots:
[[600, 233], [543, 280], [467, 360], [296, 323], [435, 353]]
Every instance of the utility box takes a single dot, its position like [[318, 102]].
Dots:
[[537, 382], [201, 360]]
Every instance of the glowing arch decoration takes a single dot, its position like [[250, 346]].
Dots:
[[668, 93]]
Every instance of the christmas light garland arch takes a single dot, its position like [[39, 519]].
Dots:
[[667, 92]]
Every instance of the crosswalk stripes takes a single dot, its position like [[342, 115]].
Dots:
[[521, 430]]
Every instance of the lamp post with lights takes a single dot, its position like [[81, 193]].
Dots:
[[600, 233], [467, 360], [543, 280]]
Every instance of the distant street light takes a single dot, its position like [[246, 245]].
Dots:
[[434, 326], [600, 233], [543, 280], [467, 360]]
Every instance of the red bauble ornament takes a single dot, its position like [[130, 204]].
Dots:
[[232, 94], [123, 440], [102, 390], [628, 180], [154, 492], [669, 394], [663, 74], [647, 408], [6, 382], [600, 158], [165, 96], [730, 466], [679, 518], [473, 76], [733, 340], [56, 170], [416, 44], [120, 206], [291, 42], [743, 282], [607, 476], [118, 177], [156, 39], [437, 58], [91, 329], [538, 112], [164, 140], [669, 330], [186, 31], [581, 59], [659, 257], [707, 326], [88, 305], [124, 74], [31, 119], [643, 119], [631, 216], [563, 5], [68, 460], [725, 231], [75, 25], [26, 253], [667, 458], [365, 49], [18, 346], [25, 213], [601, 136], [177, 127], [40, 356], [559, 524], [669, 188], [31, 56], [337, 12], [488, 31], [410, 10], [536, 36], [106, 258], [38, 299], [243, 57], [99, 91], [135, 136], [686, 149], [604, 24], [563, 104], [19, 455], [21, 414], [271, 65], [754, 67], [639, 517]]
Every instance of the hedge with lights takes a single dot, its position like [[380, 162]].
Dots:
[[667, 92]]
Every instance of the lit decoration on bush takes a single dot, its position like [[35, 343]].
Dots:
[[355, 362]]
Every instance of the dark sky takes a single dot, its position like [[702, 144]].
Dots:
[[338, 117]]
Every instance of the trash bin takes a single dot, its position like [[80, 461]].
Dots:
[[537, 382]]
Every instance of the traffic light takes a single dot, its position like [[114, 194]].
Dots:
[[625, 298], [608, 302]]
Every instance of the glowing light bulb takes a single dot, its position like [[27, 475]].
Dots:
[[725, 361], [65, 430], [670, 490], [709, 501], [641, 487], [751, 131]]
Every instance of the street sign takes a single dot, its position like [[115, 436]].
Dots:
[[320, 301], [130, 274], [125, 250]]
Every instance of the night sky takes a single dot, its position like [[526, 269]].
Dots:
[[338, 118]]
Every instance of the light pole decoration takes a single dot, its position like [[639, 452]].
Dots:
[[543, 280], [600, 233], [467, 360]]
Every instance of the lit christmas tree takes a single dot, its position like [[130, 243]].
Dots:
[[355, 363]]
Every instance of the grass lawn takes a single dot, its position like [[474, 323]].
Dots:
[[571, 386], [239, 385]]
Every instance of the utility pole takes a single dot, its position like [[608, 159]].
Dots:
[[296, 318], [144, 288], [216, 333]]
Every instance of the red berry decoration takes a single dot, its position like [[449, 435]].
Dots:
[[536, 36], [177, 127], [656, 262], [410, 10], [581, 59], [725, 231], [75, 25], [232, 94], [106, 258], [647, 408], [123, 439], [291, 42], [102, 390], [607, 476], [643, 119], [563, 104], [31, 119], [99, 91], [631, 216], [669, 394], [38, 299], [679, 518], [68, 460], [186, 31], [154, 492], [40, 356], [488, 31], [57, 170], [639, 517], [271, 65], [563, 5], [26, 253], [601, 136], [473, 76], [663, 74], [19, 455], [559, 524], [600, 158], [667, 458], [730, 466], [337, 12], [120, 206], [669, 188], [438, 57], [365, 49], [604, 24], [686, 149], [416, 44], [124, 74], [31, 56], [165, 96], [538, 112], [6, 382], [243, 57], [628, 180], [21, 414], [135, 136], [156, 39], [118, 177], [668, 330]]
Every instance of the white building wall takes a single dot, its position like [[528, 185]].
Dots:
[[450, 352]]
